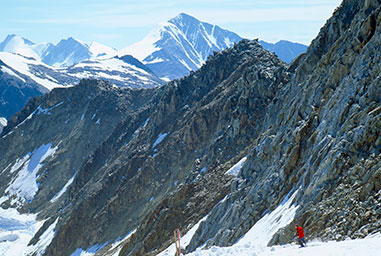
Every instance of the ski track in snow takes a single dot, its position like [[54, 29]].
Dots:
[[359, 247]]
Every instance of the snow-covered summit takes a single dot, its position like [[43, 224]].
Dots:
[[66, 53], [180, 45], [19, 45], [100, 50]]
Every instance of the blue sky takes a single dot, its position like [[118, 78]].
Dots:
[[119, 23]]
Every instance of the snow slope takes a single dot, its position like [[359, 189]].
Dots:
[[3, 123], [121, 72], [25, 185], [254, 242], [19, 45], [100, 50], [16, 231], [37, 71], [359, 247]]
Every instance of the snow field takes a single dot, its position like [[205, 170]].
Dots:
[[234, 171], [21, 228], [25, 185], [254, 242]]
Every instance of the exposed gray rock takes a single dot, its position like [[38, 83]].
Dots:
[[321, 125]]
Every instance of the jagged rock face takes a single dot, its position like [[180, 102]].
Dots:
[[213, 133], [192, 118], [176, 140], [75, 121], [321, 137]]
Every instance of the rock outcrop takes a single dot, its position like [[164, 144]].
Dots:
[[321, 137]]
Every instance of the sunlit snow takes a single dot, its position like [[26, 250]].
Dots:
[[159, 139], [257, 238], [237, 167], [21, 65], [25, 186], [20, 227]]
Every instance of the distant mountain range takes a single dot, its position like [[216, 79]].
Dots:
[[179, 46], [184, 43], [22, 78], [66, 53], [286, 50]]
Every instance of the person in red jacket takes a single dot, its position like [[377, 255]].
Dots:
[[300, 232]]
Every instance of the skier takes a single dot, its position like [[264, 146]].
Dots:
[[300, 232]]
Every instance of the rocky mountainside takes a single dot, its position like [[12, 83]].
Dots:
[[139, 153], [321, 138], [22, 78], [113, 171]]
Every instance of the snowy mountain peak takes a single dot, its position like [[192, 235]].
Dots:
[[183, 18], [98, 50], [19, 45], [180, 45], [15, 38], [66, 53]]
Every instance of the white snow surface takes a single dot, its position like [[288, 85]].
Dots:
[[3, 121], [145, 47], [115, 247], [19, 46], [25, 186], [254, 242], [256, 239], [21, 65], [119, 242], [184, 241], [43, 242], [98, 50], [358, 247], [237, 167], [21, 228], [159, 139], [10, 72]]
